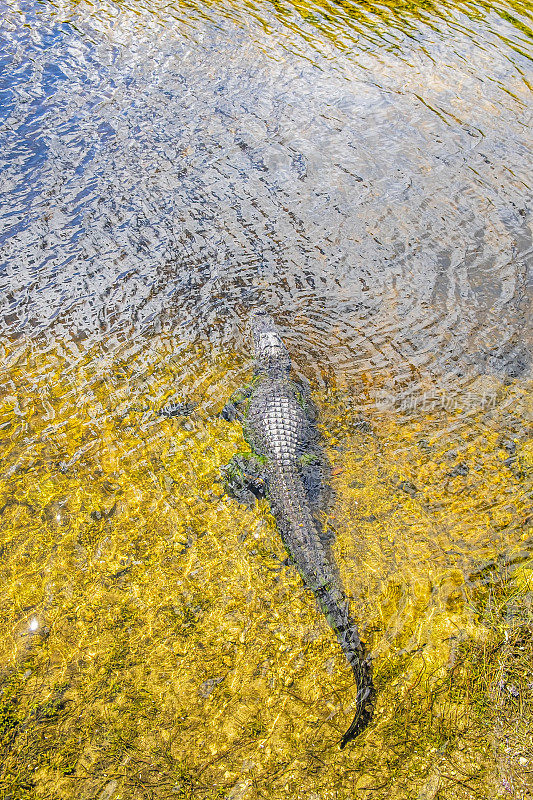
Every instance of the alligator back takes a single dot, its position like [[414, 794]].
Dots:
[[278, 429], [276, 423]]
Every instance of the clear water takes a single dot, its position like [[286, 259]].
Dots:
[[363, 171]]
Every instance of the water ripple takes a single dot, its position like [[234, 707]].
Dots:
[[169, 166]]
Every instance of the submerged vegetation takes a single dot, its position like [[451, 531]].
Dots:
[[360, 169], [155, 642]]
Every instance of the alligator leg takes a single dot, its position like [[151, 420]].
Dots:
[[312, 477], [304, 399], [244, 478], [232, 410], [177, 407]]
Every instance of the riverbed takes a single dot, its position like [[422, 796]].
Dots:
[[363, 172]]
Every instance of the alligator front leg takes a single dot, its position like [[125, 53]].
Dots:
[[232, 410], [245, 478]]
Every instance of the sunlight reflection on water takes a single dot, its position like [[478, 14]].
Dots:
[[363, 173]]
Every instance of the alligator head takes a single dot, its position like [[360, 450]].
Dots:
[[271, 356]]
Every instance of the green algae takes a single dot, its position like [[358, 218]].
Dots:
[[155, 643]]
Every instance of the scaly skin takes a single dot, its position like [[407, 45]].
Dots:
[[281, 435]]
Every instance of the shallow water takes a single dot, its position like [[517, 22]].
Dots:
[[363, 172]]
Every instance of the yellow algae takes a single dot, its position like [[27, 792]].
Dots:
[[155, 642]]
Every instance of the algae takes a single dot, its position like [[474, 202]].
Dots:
[[155, 641]]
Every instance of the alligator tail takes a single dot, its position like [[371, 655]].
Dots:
[[364, 701], [335, 606]]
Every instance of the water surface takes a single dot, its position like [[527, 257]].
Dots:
[[363, 172]]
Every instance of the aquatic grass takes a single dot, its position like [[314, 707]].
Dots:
[[155, 643], [496, 677]]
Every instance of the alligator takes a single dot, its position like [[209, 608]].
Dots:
[[279, 424]]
